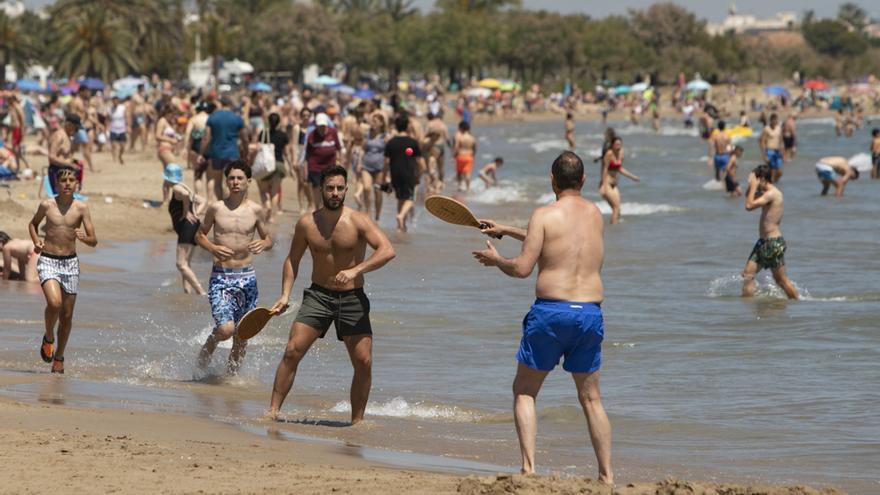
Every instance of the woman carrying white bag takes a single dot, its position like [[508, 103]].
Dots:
[[269, 165]]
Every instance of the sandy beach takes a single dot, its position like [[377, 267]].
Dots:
[[117, 451]]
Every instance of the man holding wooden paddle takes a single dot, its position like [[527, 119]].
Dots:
[[565, 240], [337, 238]]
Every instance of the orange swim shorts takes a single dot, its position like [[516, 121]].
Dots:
[[464, 164]]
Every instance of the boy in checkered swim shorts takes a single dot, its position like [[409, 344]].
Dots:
[[67, 220]]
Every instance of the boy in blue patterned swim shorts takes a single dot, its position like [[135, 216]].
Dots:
[[565, 240], [232, 290]]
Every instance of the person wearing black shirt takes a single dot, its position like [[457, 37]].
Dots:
[[403, 160]]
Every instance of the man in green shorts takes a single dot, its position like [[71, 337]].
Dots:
[[337, 239], [769, 251]]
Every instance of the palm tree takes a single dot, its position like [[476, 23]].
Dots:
[[94, 42], [15, 46]]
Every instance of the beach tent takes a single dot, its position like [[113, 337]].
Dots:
[[260, 86], [698, 85], [639, 87], [325, 80], [816, 84], [92, 84], [28, 85], [776, 90], [364, 93], [622, 89], [490, 83]]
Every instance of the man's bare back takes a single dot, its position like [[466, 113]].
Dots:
[[571, 252], [721, 141], [464, 144]]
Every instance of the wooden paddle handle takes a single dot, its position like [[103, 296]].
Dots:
[[486, 226]]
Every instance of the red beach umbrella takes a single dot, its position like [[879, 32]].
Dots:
[[816, 84]]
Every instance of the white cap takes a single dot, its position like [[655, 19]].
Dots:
[[322, 119]]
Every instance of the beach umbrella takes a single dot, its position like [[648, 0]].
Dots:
[[698, 85], [260, 86], [478, 92], [622, 89], [509, 86], [28, 85], [364, 93], [342, 88], [92, 83], [489, 83], [325, 80], [860, 88], [776, 90], [816, 84], [639, 87], [69, 88]]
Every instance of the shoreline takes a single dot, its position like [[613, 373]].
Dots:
[[180, 453]]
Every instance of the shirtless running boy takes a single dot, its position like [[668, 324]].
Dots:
[[337, 238], [769, 251], [67, 220], [232, 288], [564, 239]]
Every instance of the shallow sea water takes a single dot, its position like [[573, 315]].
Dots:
[[698, 382]]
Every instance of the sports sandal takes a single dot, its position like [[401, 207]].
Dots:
[[47, 350], [58, 365]]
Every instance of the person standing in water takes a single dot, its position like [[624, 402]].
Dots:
[[769, 251], [232, 289], [182, 207], [464, 147], [875, 153], [719, 150], [569, 130], [337, 238], [67, 220], [771, 147], [612, 166], [564, 240]]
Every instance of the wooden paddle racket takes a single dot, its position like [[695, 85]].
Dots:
[[252, 322], [452, 211]]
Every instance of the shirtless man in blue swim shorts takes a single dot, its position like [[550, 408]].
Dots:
[[232, 289], [564, 239]]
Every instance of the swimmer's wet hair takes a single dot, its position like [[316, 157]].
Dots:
[[237, 165], [738, 149], [334, 171], [568, 171], [763, 172], [499, 160], [4, 238]]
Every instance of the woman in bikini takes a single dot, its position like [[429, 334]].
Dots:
[[612, 166], [166, 139]]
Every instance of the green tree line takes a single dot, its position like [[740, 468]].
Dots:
[[457, 39]]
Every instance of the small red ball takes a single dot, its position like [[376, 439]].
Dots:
[[409, 152]]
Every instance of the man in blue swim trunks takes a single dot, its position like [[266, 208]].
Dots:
[[719, 150], [565, 240], [232, 289], [835, 171], [771, 147]]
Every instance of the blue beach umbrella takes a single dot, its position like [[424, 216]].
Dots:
[[776, 90], [325, 80], [92, 84], [364, 93], [342, 88], [28, 85], [698, 85], [622, 89], [260, 86]]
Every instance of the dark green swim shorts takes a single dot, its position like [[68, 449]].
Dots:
[[348, 309], [769, 253]]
